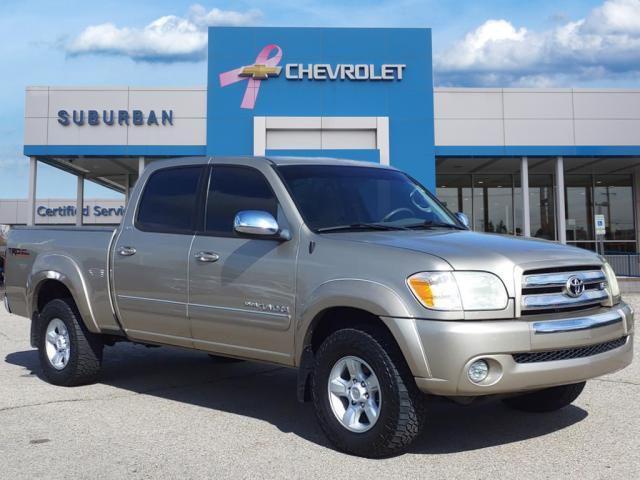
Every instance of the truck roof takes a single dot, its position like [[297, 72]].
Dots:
[[276, 160], [320, 161]]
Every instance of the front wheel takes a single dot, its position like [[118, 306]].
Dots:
[[69, 353], [365, 397], [547, 400]]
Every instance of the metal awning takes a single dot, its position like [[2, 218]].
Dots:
[[116, 173]]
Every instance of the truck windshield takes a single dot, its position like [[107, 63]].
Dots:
[[343, 198]]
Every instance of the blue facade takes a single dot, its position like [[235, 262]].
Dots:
[[407, 102]]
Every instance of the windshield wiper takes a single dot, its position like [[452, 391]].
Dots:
[[360, 226], [431, 223]]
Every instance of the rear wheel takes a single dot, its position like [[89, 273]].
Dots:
[[69, 353], [365, 397], [547, 400]]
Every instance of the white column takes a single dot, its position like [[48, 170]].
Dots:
[[560, 208], [141, 165], [382, 139], [33, 177], [79, 200], [259, 136], [524, 184]]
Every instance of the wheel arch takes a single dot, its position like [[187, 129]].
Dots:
[[376, 308], [48, 284], [366, 295]]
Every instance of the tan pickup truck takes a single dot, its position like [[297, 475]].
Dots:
[[351, 272]]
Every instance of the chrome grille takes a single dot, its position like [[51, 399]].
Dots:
[[548, 291]]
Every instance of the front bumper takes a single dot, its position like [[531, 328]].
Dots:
[[450, 348]]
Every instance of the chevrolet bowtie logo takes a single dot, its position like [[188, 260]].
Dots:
[[260, 72], [264, 66]]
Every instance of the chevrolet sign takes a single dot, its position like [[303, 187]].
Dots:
[[344, 71]]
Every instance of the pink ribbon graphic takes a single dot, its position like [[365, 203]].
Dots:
[[253, 85]]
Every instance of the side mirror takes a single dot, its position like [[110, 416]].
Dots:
[[463, 219], [257, 223]]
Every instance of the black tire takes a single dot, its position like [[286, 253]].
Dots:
[[547, 400], [85, 356], [222, 359], [402, 409]]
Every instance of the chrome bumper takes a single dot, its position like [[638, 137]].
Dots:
[[451, 347], [577, 324]]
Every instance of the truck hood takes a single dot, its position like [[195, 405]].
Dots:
[[465, 250]]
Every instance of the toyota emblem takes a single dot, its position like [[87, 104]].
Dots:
[[574, 286]]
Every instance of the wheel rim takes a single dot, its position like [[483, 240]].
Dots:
[[354, 394], [57, 344]]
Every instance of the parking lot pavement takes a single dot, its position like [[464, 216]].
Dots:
[[163, 412]]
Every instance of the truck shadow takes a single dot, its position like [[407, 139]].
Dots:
[[268, 393]]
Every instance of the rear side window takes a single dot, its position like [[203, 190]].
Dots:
[[233, 189], [168, 202]]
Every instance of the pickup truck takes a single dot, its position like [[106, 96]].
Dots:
[[351, 272]]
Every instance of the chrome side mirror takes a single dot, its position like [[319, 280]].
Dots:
[[463, 219], [257, 223]]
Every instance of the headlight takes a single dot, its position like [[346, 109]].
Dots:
[[458, 290], [612, 283]]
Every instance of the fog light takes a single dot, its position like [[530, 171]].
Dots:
[[478, 371]]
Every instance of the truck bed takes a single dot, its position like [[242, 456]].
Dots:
[[34, 252]]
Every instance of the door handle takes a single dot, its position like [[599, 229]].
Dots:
[[207, 257], [126, 251]]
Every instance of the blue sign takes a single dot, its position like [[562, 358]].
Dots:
[[323, 72]]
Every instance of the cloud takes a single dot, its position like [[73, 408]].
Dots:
[[168, 39], [606, 43]]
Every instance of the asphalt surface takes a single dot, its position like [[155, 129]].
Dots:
[[171, 413]]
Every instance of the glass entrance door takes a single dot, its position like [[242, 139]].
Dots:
[[493, 204], [542, 210]]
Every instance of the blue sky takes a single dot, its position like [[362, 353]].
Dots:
[[160, 43]]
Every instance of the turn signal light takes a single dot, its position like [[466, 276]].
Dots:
[[422, 289]]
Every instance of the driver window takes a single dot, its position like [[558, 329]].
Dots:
[[233, 189]]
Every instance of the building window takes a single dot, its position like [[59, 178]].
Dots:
[[493, 204], [486, 199], [613, 197], [608, 195], [493, 201], [579, 206], [542, 208], [455, 192]]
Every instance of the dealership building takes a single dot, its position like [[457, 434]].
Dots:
[[517, 161]]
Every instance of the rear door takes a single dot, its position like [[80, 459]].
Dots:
[[150, 257], [241, 289]]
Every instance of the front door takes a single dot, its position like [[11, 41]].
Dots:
[[151, 258], [241, 289]]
